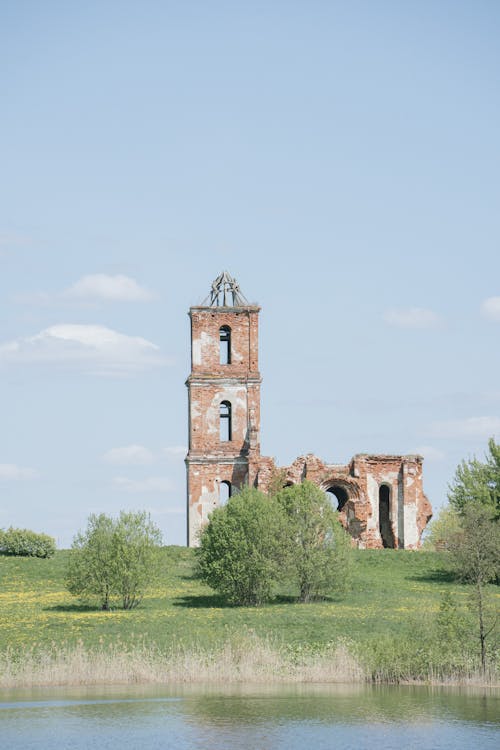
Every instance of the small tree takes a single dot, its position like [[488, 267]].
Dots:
[[114, 558], [242, 548], [136, 544], [277, 481], [319, 548], [450, 625], [475, 556], [477, 482], [90, 571], [442, 529]]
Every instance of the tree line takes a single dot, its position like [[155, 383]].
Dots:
[[467, 531]]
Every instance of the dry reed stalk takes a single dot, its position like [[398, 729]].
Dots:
[[245, 661], [249, 660]]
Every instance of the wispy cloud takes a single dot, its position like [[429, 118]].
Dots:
[[91, 289], [105, 288], [472, 427], [150, 484], [129, 455], [12, 472], [175, 451], [431, 454], [176, 510], [139, 455], [490, 308], [91, 348], [412, 317]]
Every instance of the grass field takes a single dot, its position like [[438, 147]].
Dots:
[[390, 610]]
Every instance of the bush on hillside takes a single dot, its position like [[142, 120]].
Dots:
[[320, 553], [114, 559], [26, 543], [243, 548]]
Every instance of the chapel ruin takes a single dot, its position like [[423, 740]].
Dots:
[[380, 498]]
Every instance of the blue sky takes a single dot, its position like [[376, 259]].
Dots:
[[340, 159]]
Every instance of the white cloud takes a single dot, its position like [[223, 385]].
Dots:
[[139, 455], [472, 427], [12, 472], [434, 455], [100, 286], [150, 484], [412, 317], [491, 308], [174, 451], [128, 455], [92, 348]]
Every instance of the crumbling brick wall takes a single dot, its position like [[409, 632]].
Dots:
[[358, 485], [380, 497]]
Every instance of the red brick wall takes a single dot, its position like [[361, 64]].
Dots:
[[210, 460]]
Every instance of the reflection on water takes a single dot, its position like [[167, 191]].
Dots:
[[251, 718]]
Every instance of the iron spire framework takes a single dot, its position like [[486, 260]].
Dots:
[[225, 292]]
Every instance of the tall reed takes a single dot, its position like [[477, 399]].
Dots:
[[245, 660], [248, 660]]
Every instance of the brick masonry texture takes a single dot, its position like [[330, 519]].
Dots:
[[380, 498]]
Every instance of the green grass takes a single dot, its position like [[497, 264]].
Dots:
[[393, 593], [384, 629]]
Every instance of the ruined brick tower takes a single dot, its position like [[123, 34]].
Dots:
[[224, 400], [379, 498]]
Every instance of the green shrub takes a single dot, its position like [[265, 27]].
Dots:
[[320, 554], [243, 548], [26, 543], [442, 529], [115, 558]]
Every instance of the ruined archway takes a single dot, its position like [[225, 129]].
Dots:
[[344, 495], [337, 495]]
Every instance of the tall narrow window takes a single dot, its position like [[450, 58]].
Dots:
[[225, 421], [225, 345], [384, 516], [224, 492]]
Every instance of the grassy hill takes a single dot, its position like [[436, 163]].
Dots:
[[389, 617]]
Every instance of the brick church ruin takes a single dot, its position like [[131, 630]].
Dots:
[[380, 498]]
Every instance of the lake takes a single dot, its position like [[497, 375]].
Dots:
[[251, 718]]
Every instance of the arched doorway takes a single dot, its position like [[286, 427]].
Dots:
[[384, 516]]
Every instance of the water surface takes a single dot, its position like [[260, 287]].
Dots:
[[296, 718]]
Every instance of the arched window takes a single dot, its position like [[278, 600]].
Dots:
[[384, 516], [225, 421], [225, 345], [338, 496], [224, 492]]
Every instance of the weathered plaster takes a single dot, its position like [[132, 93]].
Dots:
[[411, 534]]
